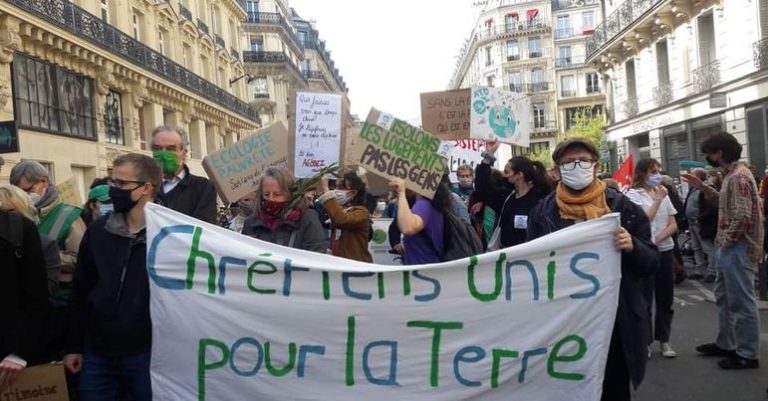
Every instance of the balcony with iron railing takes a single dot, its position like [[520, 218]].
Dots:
[[511, 30], [760, 53], [630, 107], [185, 13], [234, 53], [313, 43], [259, 57], [275, 19], [626, 15], [706, 76], [572, 61], [538, 87], [203, 27], [568, 93], [513, 57], [662, 94], [592, 89], [71, 18], [219, 41], [564, 33], [566, 4], [541, 125]]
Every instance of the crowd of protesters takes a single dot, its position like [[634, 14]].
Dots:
[[76, 288]]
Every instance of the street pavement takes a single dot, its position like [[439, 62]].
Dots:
[[690, 377]]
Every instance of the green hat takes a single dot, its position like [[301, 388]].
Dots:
[[99, 193]]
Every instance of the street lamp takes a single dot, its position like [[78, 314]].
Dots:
[[232, 81]]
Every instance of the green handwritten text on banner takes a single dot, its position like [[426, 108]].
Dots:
[[236, 318]]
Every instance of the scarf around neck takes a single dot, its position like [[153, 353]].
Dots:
[[584, 205]]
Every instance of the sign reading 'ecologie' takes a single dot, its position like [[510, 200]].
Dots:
[[236, 318], [392, 148]]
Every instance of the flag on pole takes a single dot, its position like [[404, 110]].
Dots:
[[624, 174]]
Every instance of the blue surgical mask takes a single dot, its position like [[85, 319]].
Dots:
[[653, 180]]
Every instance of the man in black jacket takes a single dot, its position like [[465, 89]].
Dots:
[[24, 304], [109, 335], [181, 191], [580, 197]]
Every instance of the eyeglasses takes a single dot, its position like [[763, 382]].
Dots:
[[118, 183], [584, 164]]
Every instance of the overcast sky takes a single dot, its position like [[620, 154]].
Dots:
[[390, 51]]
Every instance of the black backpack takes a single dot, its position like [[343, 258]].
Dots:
[[11, 235], [460, 240]]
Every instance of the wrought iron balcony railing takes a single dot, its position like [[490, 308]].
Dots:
[[568, 93], [534, 54], [220, 41], [274, 19], [513, 57], [521, 27], [630, 107], [315, 75], [538, 87], [272, 57], [593, 89], [625, 15], [569, 61], [234, 53], [760, 53], [706, 76], [564, 33], [541, 125], [662, 94], [185, 13], [264, 95], [519, 88], [565, 4], [203, 27], [81, 23]]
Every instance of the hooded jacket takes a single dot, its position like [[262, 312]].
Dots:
[[109, 306], [633, 315]]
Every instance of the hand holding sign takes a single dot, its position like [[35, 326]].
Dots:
[[9, 372]]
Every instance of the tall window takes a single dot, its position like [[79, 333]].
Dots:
[[104, 5], [204, 67], [515, 82], [260, 89], [706, 30], [587, 20], [510, 22], [136, 25], [513, 50], [563, 27], [161, 41], [593, 83], [488, 58], [187, 56], [215, 23], [232, 32], [252, 7], [113, 118], [51, 98], [490, 80], [662, 62], [539, 118], [537, 81], [629, 68], [567, 86], [534, 47], [489, 26], [257, 43], [563, 56]]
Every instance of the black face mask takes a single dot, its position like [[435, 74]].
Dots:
[[713, 163], [121, 199]]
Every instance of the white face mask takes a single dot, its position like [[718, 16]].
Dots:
[[578, 178], [342, 196]]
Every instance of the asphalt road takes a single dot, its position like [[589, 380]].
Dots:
[[695, 378]]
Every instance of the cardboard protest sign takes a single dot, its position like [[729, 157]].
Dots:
[[446, 114], [500, 115], [69, 192], [466, 151], [234, 170], [391, 148], [246, 319], [318, 132], [38, 383]]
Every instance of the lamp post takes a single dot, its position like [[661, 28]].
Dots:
[[232, 81]]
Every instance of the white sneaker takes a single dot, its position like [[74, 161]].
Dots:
[[667, 351]]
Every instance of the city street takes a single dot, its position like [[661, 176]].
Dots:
[[691, 377]]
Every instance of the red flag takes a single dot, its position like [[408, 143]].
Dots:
[[624, 174]]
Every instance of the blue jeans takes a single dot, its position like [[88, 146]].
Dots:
[[101, 376], [739, 324]]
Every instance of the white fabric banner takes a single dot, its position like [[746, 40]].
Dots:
[[239, 319]]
